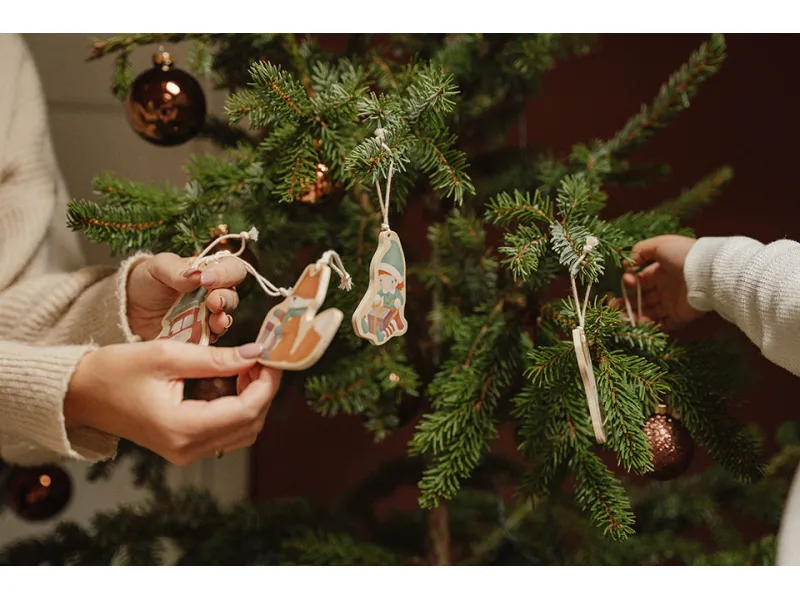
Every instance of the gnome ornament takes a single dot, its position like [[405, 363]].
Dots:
[[381, 313]]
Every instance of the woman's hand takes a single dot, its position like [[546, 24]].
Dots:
[[135, 391], [156, 283]]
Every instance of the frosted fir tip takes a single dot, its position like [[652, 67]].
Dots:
[[380, 133]]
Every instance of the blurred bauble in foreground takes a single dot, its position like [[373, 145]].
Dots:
[[39, 493], [166, 106], [209, 388], [671, 444]]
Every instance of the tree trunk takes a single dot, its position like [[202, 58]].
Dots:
[[439, 535]]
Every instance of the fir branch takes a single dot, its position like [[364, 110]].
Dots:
[[523, 250], [335, 549], [628, 387], [567, 242], [691, 201], [464, 394], [200, 58], [123, 229], [577, 198], [274, 94], [601, 495], [506, 209], [673, 97], [430, 98], [129, 42], [703, 411], [123, 75], [445, 164]]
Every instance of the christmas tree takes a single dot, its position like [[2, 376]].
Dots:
[[516, 258]]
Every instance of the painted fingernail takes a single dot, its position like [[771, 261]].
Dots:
[[250, 350], [230, 321], [208, 278], [190, 272]]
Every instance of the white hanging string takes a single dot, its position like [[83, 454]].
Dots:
[[628, 307], [204, 258], [334, 261], [582, 346], [381, 135]]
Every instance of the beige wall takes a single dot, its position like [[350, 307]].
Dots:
[[91, 135]]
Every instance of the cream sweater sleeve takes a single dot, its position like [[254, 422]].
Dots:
[[757, 287], [51, 311], [753, 285]]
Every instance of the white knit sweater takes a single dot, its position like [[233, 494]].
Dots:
[[52, 311], [756, 287]]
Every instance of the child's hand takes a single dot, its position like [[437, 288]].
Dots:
[[154, 285], [664, 293]]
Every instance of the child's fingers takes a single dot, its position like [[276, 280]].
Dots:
[[645, 251], [651, 299]]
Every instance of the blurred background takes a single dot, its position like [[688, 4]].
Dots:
[[746, 117]]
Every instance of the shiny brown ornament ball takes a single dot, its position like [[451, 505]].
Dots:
[[166, 106], [39, 493], [671, 444]]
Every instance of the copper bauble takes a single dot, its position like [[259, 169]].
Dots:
[[39, 493], [671, 444], [166, 105], [320, 188]]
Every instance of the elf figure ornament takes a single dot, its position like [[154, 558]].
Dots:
[[380, 315]]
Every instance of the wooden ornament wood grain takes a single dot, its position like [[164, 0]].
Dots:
[[380, 315], [294, 336]]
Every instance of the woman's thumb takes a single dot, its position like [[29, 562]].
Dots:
[[190, 361]]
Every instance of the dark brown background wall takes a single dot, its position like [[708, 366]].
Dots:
[[747, 116]]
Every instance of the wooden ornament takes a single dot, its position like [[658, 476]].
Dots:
[[187, 319], [294, 337], [381, 314]]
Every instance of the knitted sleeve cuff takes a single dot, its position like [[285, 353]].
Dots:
[[33, 384], [109, 299], [698, 271]]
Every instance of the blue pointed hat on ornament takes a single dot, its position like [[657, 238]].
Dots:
[[392, 262]]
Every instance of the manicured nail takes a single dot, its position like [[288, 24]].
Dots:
[[230, 321], [208, 278], [190, 272], [250, 350]]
